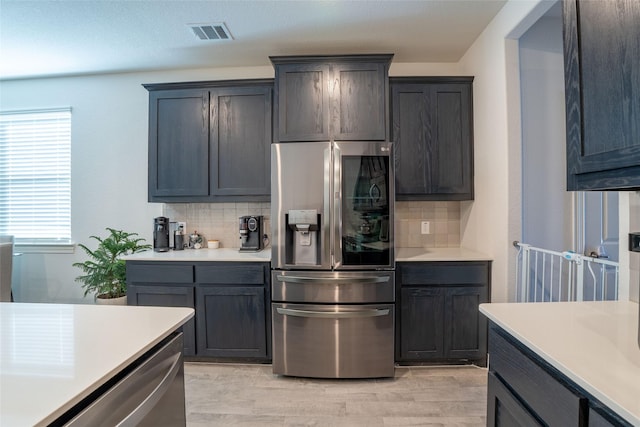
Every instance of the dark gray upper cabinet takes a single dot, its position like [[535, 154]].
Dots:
[[240, 141], [602, 94], [209, 141], [178, 143], [318, 98], [432, 131]]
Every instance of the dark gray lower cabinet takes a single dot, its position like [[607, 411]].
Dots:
[[504, 409], [167, 296], [230, 300], [438, 319], [231, 321], [524, 390]]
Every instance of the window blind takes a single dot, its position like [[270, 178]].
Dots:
[[35, 175]]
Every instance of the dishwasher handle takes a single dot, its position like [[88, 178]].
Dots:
[[354, 279], [333, 314], [133, 398], [138, 414]]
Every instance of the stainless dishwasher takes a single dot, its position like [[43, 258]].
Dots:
[[333, 324], [150, 392]]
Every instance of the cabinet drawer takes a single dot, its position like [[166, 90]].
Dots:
[[444, 273], [549, 398], [159, 273], [504, 409], [231, 273]]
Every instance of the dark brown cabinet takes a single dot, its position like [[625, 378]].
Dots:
[[230, 301], [438, 319], [602, 94], [210, 141], [319, 98], [432, 131]]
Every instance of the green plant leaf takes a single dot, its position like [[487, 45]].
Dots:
[[105, 271]]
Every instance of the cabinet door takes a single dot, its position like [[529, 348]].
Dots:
[[231, 321], [465, 329], [240, 141], [178, 143], [302, 102], [433, 135], [359, 102], [602, 90], [412, 128], [167, 296], [451, 166], [421, 323]]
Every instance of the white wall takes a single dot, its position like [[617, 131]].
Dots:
[[489, 223], [629, 261], [547, 206], [493, 221]]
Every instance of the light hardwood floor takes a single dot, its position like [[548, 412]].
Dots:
[[250, 395]]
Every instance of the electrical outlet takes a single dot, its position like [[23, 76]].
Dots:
[[182, 225], [425, 227]]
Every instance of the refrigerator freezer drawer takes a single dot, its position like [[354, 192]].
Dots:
[[333, 287], [333, 341]]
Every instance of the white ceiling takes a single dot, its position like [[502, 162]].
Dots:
[[70, 37]]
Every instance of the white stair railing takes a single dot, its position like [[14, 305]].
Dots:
[[544, 276]]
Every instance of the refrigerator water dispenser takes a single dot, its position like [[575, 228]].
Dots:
[[303, 245]]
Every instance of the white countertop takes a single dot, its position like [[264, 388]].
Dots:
[[595, 344], [205, 254], [228, 254], [439, 254], [53, 355]]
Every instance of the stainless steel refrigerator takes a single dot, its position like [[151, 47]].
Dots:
[[333, 287]]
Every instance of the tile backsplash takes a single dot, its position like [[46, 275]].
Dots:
[[444, 224], [220, 221], [217, 221]]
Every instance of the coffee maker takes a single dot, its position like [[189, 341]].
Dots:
[[250, 228], [161, 234]]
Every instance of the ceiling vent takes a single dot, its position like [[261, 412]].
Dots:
[[217, 31]]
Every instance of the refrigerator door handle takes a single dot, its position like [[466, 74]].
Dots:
[[333, 314], [336, 224], [326, 246], [302, 279]]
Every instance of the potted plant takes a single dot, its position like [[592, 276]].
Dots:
[[105, 271]]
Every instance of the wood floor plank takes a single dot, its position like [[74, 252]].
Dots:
[[250, 395]]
